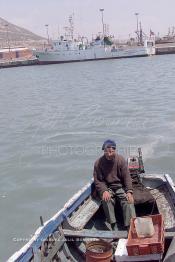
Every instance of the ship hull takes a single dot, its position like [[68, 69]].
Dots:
[[54, 57], [85, 60]]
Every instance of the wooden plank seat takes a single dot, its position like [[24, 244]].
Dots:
[[80, 217], [88, 233]]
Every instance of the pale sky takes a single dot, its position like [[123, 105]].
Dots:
[[158, 15]]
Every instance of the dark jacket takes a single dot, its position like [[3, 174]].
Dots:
[[112, 174]]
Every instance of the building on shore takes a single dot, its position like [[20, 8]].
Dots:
[[15, 53]]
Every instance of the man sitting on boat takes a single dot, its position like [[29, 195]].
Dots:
[[113, 183]]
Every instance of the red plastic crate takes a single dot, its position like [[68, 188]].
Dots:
[[143, 246]]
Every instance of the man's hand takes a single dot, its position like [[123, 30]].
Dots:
[[130, 198], [106, 196]]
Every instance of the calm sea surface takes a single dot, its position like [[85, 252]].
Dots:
[[53, 121]]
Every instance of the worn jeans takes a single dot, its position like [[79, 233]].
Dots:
[[127, 209]]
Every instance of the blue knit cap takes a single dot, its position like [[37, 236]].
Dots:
[[109, 143]]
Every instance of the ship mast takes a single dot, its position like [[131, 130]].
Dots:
[[137, 29], [102, 19], [47, 32], [139, 32], [71, 26], [69, 30]]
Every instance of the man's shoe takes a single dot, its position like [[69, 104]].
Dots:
[[114, 227], [126, 228]]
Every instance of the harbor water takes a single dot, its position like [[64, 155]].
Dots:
[[54, 120]]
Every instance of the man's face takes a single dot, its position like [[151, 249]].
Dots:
[[109, 153]]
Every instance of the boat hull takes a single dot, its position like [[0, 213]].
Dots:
[[57, 225], [55, 57]]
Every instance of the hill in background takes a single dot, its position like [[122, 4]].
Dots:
[[18, 36]]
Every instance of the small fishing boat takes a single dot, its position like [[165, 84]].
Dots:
[[67, 234]]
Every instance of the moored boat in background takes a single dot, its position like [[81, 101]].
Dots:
[[63, 51], [67, 49]]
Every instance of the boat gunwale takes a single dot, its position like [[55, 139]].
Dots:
[[43, 232]]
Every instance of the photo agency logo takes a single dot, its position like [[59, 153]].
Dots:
[[56, 150]]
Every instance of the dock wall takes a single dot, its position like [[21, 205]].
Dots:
[[164, 49]]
